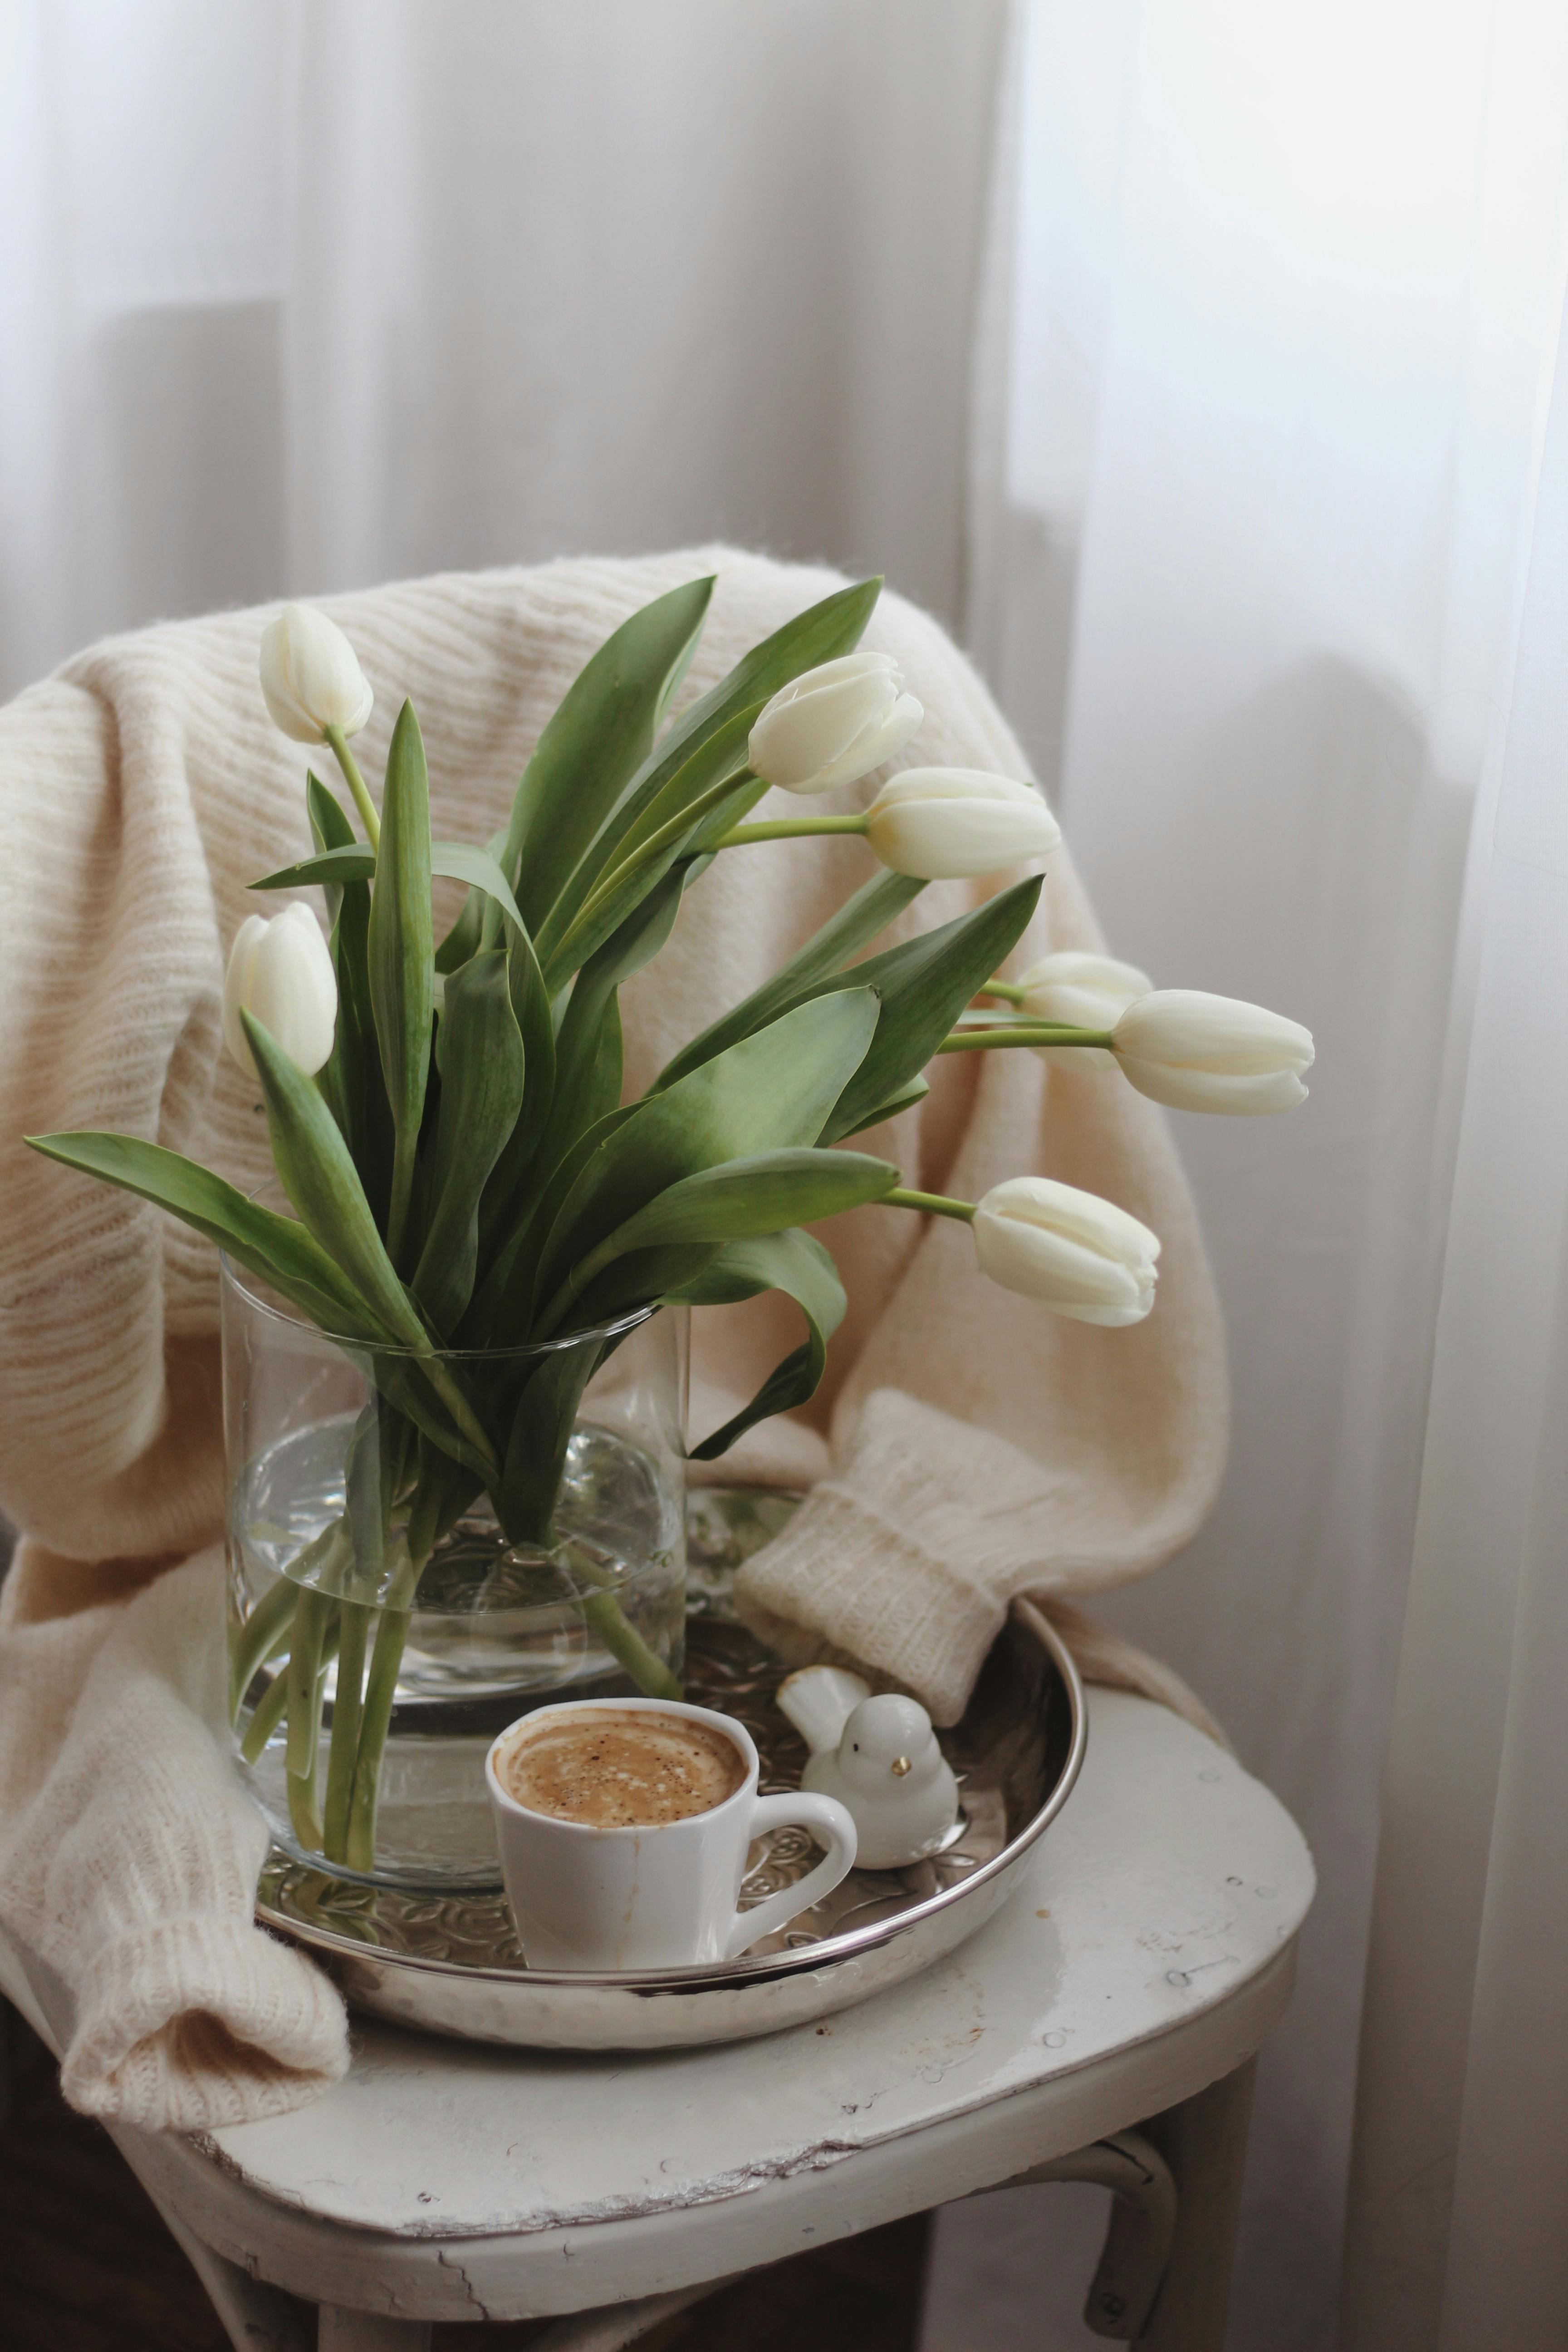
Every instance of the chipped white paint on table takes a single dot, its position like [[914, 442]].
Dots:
[[1147, 1955]]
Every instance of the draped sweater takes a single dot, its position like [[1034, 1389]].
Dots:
[[966, 1446]]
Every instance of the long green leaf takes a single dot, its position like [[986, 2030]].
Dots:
[[905, 1099], [278, 1249], [319, 1177], [714, 779], [579, 1072], [597, 739], [770, 1091], [355, 861], [826, 630], [536, 1450], [500, 1311], [763, 1193], [479, 1053], [501, 1201], [401, 953], [829, 951], [466, 935], [796, 1264], [337, 862], [924, 985], [351, 1079]]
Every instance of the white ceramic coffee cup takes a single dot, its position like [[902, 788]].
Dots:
[[654, 1896]]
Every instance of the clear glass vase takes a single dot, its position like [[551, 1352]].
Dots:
[[392, 1606]]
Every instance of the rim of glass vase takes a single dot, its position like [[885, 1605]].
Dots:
[[240, 1278]]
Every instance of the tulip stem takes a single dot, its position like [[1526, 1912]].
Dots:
[[1009, 990], [356, 785], [933, 1204], [1020, 1033], [787, 828]]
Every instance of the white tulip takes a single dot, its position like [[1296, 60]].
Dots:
[[834, 724], [311, 676], [946, 823], [1196, 1052], [281, 972], [1079, 1254], [1081, 991]]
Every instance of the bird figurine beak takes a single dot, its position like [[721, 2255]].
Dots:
[[899, 1766]]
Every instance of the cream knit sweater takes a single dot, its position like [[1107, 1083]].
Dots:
[[966, 1446]]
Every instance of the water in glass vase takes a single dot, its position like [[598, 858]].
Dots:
[[494, 1629]]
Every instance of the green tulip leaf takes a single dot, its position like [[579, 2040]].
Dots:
[[319, 1177], [336, 863], [278, 1249], [905, 1099], [404, 1382], [827, 951], [352, 1080], [740, 1198], [401, 958], [796, 1264], [715, 780], [826, 630], [542, 1430], [597, 740], [773, 1091], [480, 1054], [924, 985], [466, 935]]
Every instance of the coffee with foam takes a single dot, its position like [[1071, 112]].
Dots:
[[610, 1769]]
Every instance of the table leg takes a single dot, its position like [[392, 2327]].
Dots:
[[342, 2330], [1203, 2141]]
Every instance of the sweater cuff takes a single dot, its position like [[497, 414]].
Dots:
[[843, 1577], [201, 2021]]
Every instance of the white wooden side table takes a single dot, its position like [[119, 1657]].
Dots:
[[1102, 2026]]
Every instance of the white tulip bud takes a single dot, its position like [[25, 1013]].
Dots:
[[1079, 1254], [281, 972], [311, 676], [945, 824], [1081, 991], [834, 724], [1196, 1051]]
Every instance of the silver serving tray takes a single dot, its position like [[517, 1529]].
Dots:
[[451, 1964]]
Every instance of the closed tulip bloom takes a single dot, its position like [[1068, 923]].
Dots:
[[1196, 1051], [1077, 1254], [311, 676], [281, 972], [947, 823], [1081, 991], [834, 724]]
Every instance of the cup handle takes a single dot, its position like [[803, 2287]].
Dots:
[[835, 1826]]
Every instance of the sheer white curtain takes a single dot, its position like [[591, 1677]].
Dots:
[[1271, 300], [297, 294], [1460, 2192]]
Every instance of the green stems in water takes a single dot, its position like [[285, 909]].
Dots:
[[312, 1613], [348, 1712], [367, 1637]]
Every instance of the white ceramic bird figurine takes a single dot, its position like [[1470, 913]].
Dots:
[[878, 1755]]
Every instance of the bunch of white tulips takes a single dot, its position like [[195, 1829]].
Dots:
[[1072, 1250], [446, 1121]]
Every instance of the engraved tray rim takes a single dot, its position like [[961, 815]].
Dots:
[[815, 1959]]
